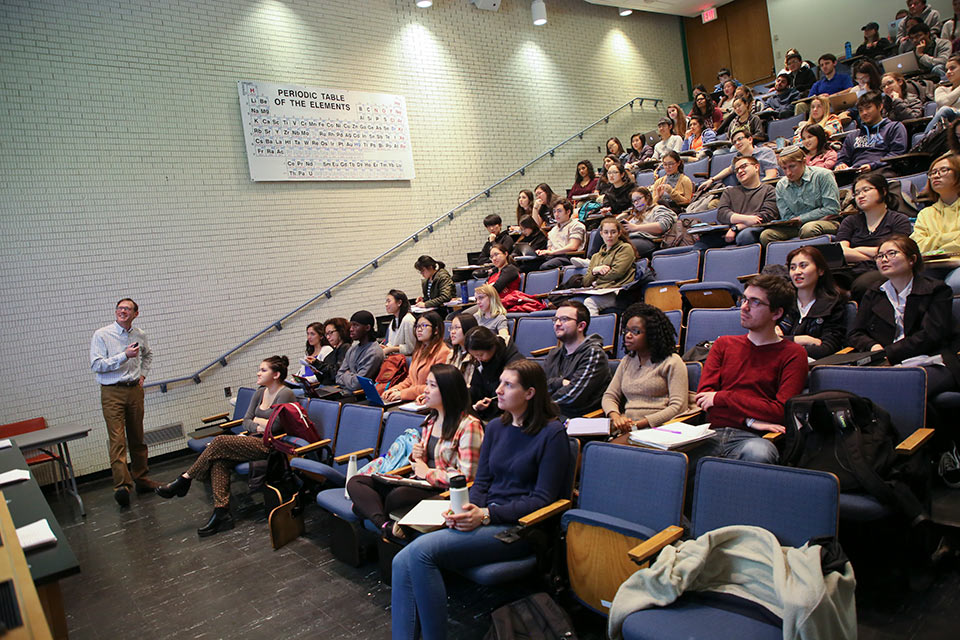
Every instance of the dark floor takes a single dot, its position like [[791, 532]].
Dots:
[[146, 574]]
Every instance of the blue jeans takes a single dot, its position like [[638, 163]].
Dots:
[[738, 444], [748, 235], [943, 113], [418, 589]]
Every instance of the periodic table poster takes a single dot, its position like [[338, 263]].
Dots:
[[303, 133]]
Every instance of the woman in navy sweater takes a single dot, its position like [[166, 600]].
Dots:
[[523, 465]]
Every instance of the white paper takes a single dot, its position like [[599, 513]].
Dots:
[[411, 406], [671, 435], [588, 427], [35, 534], [427, 513], [14, 475], [5, 444]]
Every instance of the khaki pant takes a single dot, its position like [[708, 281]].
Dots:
[[123, 413], [808, 230]]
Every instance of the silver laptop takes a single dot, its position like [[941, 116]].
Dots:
[[904, 63]]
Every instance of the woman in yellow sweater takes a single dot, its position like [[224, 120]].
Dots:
[[938, 226], [430, 350]]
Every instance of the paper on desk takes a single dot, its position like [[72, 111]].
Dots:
[[35, 534], [412, 406], [671, 435], [14, 475], [5, 443], [588, 427], [427, 513]]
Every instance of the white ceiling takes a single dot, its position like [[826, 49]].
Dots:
[[689, 8]]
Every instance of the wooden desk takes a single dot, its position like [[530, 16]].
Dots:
[[13, 566]]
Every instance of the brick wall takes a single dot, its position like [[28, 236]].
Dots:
[[124, 170]]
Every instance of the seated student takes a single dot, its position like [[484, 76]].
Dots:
[[669, 140], [938, 226], [802, 77], [585, 183], [615, 148], [650, 386], [602, 174], [909, 315], [722, 77], [830, 81], [578, 369], [523, 464], [316, 350], [932, 52], [531, 236], [460, 325], [903, 104], [496, 234], [401, 335], [568, 236], [449, 445], [816, 320], [743, 143], [816, 148], [710, 115], [615, 194], [645, 221], [877, 140], [808, 195], [364, 356], [873, 45], [861, 233], [948, 29], [673, 188], [782, 101], [614, 265], [747, 205], [491, 354], [947, 96], [524, 204], [337, 334], [697, 136], [905, 45], [755, 104], [820, 114], [741, 119], [726, 98], [225, 452], [490, 311], [505, 277], [544, 202], [679, 119], [747, 379], [639, 151], [430, 350], [920, 12], [437, 285]]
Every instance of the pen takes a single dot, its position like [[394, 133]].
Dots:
[[679, 433]]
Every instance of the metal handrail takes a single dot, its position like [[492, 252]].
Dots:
[[375, 263]]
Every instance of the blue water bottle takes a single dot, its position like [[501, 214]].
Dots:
[[847, 50], [464, 294]]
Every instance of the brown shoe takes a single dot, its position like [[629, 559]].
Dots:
[[146, 485]]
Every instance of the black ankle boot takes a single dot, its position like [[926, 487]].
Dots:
[[178, 487], [221, 520]]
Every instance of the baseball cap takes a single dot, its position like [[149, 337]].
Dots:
[[870, 25]]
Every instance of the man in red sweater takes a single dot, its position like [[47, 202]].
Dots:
[[747, 379]]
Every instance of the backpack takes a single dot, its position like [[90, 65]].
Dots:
[[854, 439], [536, 617], [393, 370], [288, 419], [677, 235]]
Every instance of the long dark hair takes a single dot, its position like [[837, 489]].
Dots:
[[661, 336], [817, 132], [426, 262], [825, 284], [404, 309], [869, 68], [318, 329], [879, 183], [499, 247], [482, 339], [619, 146], [907, 246], [551, 196], [541, 409], [341, 326], [455, 397], [707, 113], [467, 322], [428, 349], [591, 174], [521, 212], [279, 365]]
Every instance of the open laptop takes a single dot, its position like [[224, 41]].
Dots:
[[904, 63], [316, 391], [833, 253], [373, 396]]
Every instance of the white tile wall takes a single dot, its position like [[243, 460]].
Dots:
[[123, 170]]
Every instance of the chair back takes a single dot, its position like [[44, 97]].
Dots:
[[956, 310], [446, 329], [725, 265], [395, 424], [569, 271], [613, 363], [795, 505], [690, 169], [721, 161], [783, 128], [914, 184], [694, 369], [534, 333], [541, 281], [710, 324], [675, 316], [244, 397], [594, 243], [606, 326], [930, 109], [850, 315], [646, 179], [472, 285], [359, 428], [672, 267], [901, 391], [778, 251], [325, 415], [23, 426]]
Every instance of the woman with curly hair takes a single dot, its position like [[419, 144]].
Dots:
[[650, 386]]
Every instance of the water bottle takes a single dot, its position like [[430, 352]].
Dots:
[[847, 50], [464, 294], [351, 471], [459, 494]]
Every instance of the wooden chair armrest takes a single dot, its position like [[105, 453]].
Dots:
[[362, 453], [772, 436], [701, 174], [359, 393], [914, 441], [594, 414], [845, 350], [608, 348], [652, 546], [548, 511], [747, 277], [683, 282], [541, 352], [219, 416], [230, 425], [685, 416], [576, 254], [400, 471], [307, 448]]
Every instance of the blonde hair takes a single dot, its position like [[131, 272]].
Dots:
[[825, 104], [496, 307]]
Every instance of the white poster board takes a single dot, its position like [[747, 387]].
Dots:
[[303, 133]]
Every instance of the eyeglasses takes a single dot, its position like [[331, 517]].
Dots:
[[753, 303], [562, 319], [863, 190], [127, 309], [887, 255], [633, 332], [424, 326], [942, 171], [330, 333]]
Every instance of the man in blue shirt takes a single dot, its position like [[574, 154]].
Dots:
[[121, 357], [830, 81]]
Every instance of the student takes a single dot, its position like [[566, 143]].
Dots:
[[524, 204], [401, 335], [613, 266], [531, 235], [315, 351], [830, 81], [674, 187], [490, 312], [878, 138], [931, 52], [726, 99], [437, 285], [922, 13], [337, 334], [585, 183], [747, 379], [505, 276], [866, 77], [710, 115], [224, 452], [460, 324], [743, 143], [544, 202], [645, 221], [698, 134], [679, 120], [722, 77], [491, 354], [430, 350], [816, 148], [938, 226], [949, 30], [861, 233], [903, 105], [496, 234], [873, 45], [568, 236], [364, 357], [740, 119], [808, 195], [669, 140], [802, 77], [639, 152], [524, 461], [578, 369], [615, 148], [817, 318], [749, 204], [615, 194], [650, 386], [947, 96], [909, 315], [782, 101], [820, 114]]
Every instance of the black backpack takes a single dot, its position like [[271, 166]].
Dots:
[[536, 617], [854, 439]]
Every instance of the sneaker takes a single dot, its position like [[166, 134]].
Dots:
[[949, 468], [122, 496]]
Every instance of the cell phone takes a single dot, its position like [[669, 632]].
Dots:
[[135, 344]]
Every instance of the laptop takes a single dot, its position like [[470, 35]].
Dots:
[[904, 63], [852, 358], [833, 253], [373, 396], [843, 101], [316, 391]]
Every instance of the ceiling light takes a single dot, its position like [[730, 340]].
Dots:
[[424, 4], [539, 11], [624, 12]]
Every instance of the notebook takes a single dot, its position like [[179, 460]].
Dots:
[[672, 436]]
